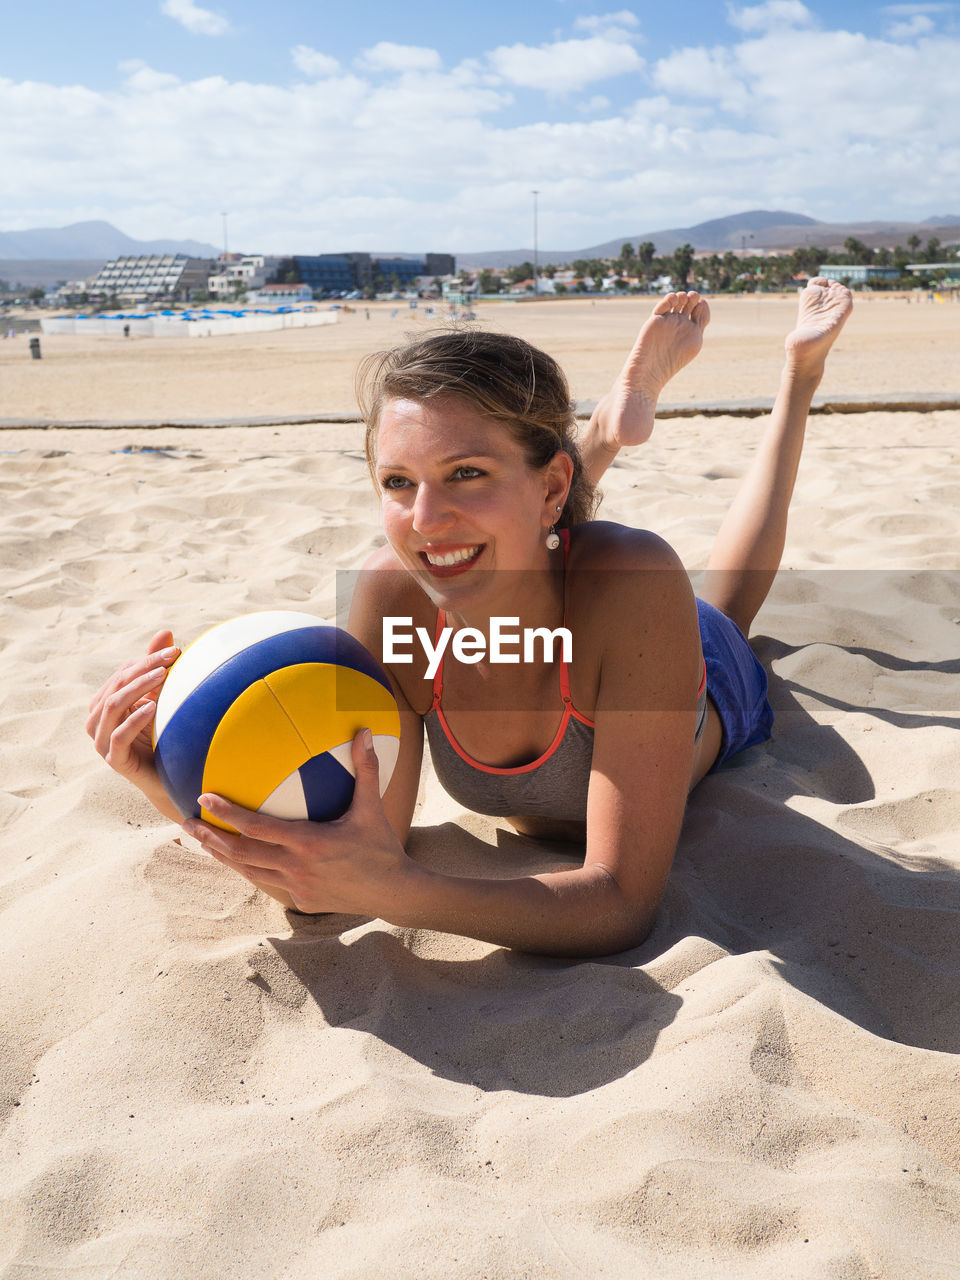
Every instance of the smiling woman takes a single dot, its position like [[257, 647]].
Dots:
[[504, 379], [471, 447]]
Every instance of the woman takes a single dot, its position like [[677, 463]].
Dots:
[[470, 446]]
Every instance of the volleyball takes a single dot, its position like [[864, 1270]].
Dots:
[[263, 710]]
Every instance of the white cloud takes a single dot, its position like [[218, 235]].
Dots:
[[202, 22], [602, 22], [918, 25], [565, 66], [704, 73], [312, 63], [416, 103], [842, 89], [399, 57], [143, 78], [831, 123], [771, 16]]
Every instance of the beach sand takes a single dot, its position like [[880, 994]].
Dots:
[[195, 1084], [894, 346]]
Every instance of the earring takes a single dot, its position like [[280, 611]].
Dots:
[[553, 538]]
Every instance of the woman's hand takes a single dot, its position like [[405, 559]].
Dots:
[[352, 865], [122, 712]]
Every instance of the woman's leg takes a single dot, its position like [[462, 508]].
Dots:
[[746, 553], [669, 340]]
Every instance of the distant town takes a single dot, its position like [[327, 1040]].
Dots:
[[236, 279]]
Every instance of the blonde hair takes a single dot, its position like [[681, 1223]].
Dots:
[[503, 377]]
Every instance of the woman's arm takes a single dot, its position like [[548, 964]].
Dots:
[[357, 866], [641, 768], [378, 585]]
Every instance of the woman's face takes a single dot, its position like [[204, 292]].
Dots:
[[458, 497]]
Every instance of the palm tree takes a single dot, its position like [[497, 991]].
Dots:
[[646, 252], [522, 271], [682, 264], [645, 255], [713, 272], [858, 251]]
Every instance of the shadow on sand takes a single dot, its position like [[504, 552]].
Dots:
[[865, 926]]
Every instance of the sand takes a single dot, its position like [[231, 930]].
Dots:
[[193, 1085], [895, 346]]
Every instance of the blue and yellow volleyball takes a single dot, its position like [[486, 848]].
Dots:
[[263, 710]]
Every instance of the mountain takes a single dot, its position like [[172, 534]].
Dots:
[[754, 229], [718, 233], [91, 241], [23, 274]]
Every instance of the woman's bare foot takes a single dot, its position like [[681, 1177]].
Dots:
[[669, 340], [824, 307]]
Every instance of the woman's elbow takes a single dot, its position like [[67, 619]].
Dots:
[[628, 920], [617, 925]]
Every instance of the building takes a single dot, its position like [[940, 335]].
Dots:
[[164, 275], [69, 293], [439, 264], [285, 293], [338, 273], [328, 273], [402, 273], [857, 274], [406, 271], [241, 272], [951, 270]]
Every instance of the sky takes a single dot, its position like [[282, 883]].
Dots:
[[369, 125]]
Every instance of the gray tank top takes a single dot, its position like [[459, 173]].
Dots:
[[552, 786]]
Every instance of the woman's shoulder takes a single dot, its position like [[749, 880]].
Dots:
[[605, 545], [384, 587], [630, 602], [381, 559], [620, 581]]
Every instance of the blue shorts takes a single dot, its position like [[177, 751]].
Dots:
[[736, 683]]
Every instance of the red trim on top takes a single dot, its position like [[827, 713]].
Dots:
[[520, 768], [568, 708], [567, 701]]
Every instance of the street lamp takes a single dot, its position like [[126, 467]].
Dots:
[[224, 217], [536, 260]]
